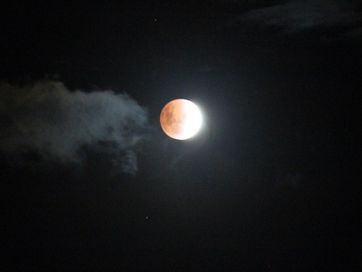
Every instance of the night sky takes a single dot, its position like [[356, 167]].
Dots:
[[89, 182]]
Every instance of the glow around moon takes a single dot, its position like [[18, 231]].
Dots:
[[181, 119]]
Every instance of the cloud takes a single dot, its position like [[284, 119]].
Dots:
[[47, 118], [299, 15]]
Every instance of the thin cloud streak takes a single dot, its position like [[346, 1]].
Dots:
[[297, 15]]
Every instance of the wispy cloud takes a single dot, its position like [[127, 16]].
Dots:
[[48, 118], [299, 15]]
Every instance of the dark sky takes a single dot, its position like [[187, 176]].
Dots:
[[89, 181]]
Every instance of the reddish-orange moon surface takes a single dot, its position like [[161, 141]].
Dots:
[[180, 119]]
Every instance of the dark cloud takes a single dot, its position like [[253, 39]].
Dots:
[[299, 15], [48, 118], [355, 33]]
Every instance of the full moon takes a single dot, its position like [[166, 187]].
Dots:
[[181, 119]]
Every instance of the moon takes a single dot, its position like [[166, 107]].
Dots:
[[181, 119]]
